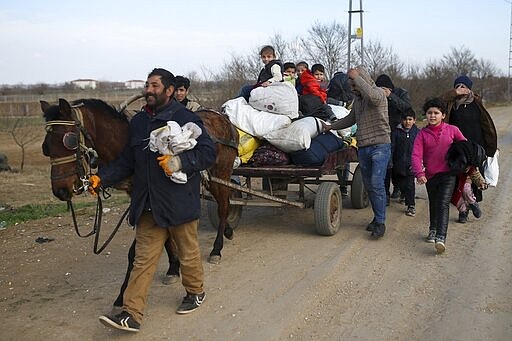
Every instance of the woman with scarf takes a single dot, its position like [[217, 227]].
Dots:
[[466, 111]]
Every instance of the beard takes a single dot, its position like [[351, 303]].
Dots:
[[155, 101]]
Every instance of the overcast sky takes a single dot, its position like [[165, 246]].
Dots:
[[58, 41]]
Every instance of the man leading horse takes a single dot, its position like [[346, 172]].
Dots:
[[159, 207]]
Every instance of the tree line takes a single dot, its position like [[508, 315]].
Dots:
[[328, 44]]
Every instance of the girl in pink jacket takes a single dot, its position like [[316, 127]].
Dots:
[[429, 165]]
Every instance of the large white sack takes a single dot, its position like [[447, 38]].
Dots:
[[254, 122], [297, 135], [278, 98], [340, 112]]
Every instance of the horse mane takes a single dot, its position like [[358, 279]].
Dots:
[[92, 103]]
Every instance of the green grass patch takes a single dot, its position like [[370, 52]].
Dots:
[[12, 216]]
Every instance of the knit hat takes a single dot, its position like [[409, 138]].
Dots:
[[384, 81], [463, 79]]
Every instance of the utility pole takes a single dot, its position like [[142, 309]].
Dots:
[[358, 33], [509, 53]]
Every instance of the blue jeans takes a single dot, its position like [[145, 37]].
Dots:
[[245, 91], [373, 161]]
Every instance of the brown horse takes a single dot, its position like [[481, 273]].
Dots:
[[89, 132]]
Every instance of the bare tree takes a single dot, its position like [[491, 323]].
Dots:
[[460, 61], [280, 45], [485, 72], [296, 50], [485, 68], [327, 44], [242, 68], [23, 135], [381, 59]]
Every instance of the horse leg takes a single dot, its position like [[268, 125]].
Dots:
[[173, 273], [118, 303], [221, 195]]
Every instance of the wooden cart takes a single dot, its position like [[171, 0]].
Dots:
[[276, 191]]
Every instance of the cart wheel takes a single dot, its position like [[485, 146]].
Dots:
[[234, 213], [358, 194], [328, 209]]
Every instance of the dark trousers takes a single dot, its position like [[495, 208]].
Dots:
[[439, 190], [406, 185], [390, 179]]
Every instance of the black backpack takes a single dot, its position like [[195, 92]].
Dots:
[[339, 89], [311, 105]]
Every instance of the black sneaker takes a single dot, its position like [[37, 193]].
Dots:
[[463, 217], [475, 208], [431, 238], [344, 191], [378, 231], [410, 211], [371, 225], [396, 193], [123, 321], [440, 247], [190, 303]]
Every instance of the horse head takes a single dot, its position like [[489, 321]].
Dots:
[[79, 136], [62, 144]]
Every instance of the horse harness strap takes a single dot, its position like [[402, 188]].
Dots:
[[83, 154]]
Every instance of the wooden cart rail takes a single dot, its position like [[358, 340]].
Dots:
[[327, 202], [334, 161]]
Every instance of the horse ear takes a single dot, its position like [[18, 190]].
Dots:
[[64, 106], [44, 105]]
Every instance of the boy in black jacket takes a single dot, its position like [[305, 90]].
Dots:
[[402, 141]]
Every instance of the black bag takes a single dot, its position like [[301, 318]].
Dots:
[[339, 88], [311, 105]]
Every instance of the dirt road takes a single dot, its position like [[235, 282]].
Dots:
[[278, 279]]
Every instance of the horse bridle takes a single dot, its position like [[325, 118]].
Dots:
[[84, 156], [86, 164]]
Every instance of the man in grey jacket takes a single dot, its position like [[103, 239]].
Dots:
[[370, 112]]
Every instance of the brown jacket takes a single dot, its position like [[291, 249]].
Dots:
[[369, 111], [488, 128]]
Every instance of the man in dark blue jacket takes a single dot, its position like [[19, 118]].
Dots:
[[159, 207]]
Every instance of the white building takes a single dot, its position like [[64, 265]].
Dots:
[[134, 84], [85, 83]]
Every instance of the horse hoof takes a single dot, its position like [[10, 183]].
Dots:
[[228, 233], [214, 259], [170, 279]]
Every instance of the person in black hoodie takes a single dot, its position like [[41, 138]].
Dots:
[[159, 207], [402, 141], [398, 103]]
